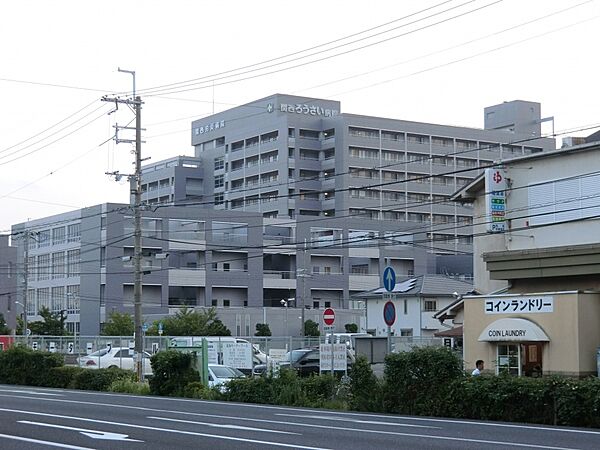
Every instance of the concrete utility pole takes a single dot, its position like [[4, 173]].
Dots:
[[136, 102], [25, 281]]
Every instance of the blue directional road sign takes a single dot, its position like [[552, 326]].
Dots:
[[389, 279]]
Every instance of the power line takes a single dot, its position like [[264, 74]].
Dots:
[[185, 88]]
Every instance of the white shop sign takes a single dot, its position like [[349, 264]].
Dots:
[[339, 357], [520, 305], [238, 355]]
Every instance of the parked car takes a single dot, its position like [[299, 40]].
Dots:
[[219, 375], [305, 360], [108, 357]]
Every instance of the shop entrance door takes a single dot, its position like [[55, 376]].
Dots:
[[531, 361], [509, 356]]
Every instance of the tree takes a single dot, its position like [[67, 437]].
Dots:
[[311, 328], [262, 329], [351, 328], [119, 324], [52, 323], [188, 322], [3, 325]]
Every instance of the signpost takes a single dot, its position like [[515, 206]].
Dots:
[[389, 316], [389, 310], [328, 320]]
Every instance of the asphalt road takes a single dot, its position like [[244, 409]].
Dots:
[[32, 418]]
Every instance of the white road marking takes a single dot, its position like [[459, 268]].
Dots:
[[94, 434], [166, 430], [393, 433], [231, 427], [48, 443], [32, 392], [343, 419], [284, 408]]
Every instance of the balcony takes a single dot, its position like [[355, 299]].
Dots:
[[187, 277]]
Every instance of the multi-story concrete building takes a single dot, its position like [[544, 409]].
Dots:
[[81, 262], [8, 281], [285, 156]]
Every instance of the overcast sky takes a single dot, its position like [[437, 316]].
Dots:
[[442, 65]]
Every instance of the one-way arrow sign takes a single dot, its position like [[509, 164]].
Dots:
[[389, 279]]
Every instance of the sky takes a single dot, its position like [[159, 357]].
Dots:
[[430, 61]]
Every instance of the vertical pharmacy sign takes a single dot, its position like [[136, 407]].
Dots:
[[495, 204]]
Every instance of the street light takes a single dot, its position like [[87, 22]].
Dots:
[[284, 303]]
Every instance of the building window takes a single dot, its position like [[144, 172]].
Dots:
[[219, 163], [219, 181], [73, 263], [508, 359], [405, 306], [226, 303], [406, 332], [73, 302], [43, 297], [58, 265], [430, 305], [58, 236], [58, 298], [73, 233], [219, 199], [102, 256], [43, 267], [31, 302], [214, 302], [102, 223], [226, 267], [43, 238]]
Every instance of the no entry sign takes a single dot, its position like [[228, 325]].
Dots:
[[328, 316]]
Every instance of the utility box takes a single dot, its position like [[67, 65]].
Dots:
[[373, 348]]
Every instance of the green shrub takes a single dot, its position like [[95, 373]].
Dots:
[[251, 390], [365, 389], [196, 389], [20, 365], [417, 382], [100, 379], [129, 387], [62, 377], [172, 371]]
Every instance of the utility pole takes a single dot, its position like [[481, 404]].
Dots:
[[136, 178], [25, 282]]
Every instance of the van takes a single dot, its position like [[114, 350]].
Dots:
[[345, 338]]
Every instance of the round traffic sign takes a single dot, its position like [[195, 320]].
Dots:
[[389, 313], [328, 316]]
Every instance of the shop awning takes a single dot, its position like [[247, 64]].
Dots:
[[513, 330]]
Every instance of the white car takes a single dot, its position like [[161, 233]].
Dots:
[[219, 375], [108, 357]]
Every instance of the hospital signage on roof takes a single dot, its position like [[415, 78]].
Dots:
[[311, 110], [209, 127]]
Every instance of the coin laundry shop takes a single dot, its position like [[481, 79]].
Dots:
[[531, 335]]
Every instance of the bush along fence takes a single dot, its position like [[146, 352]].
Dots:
[[425, 381]]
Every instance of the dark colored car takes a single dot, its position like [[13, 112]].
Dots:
[[306, 361]]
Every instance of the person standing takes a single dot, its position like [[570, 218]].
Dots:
[[478, 368]]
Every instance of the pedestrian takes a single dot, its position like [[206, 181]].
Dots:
[[478, 368]]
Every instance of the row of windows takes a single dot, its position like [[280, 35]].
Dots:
[[56, 299], [52, 266], [55, 236], [461, 144]]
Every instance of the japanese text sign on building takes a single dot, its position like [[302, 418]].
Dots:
[[495, 200], [520, 305], [312, 110], [209, 127]]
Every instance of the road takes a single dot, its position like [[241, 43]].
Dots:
[[32, 418]]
